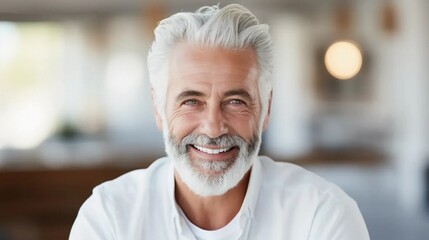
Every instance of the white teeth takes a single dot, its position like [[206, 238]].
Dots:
[[211, 151]]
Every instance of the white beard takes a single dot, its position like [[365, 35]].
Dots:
[[197, 173]]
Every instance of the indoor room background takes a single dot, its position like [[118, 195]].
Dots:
[[350, 103]]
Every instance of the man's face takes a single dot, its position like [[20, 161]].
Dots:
[[212, 114]]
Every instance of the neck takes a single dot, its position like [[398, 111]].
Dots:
[[212, 212]]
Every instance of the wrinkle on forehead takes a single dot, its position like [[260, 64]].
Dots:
[[200, 60]]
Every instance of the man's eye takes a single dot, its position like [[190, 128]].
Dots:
[[236, 102], [235, 105], [190, 102]]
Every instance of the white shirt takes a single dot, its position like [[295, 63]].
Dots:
[[283, 201], [232, 231]]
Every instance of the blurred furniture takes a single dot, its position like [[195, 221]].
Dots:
[[42, 204]]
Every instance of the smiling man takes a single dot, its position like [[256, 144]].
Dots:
[[211, 79]]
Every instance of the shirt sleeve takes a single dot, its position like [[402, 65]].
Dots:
[[93, 221], [338, 219]]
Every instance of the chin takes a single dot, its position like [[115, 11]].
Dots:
[[212, 184]]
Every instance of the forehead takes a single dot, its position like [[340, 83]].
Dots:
[[191, 64]]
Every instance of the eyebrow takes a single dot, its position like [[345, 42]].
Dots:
[[238, 92], [194, 93], [189, 93]]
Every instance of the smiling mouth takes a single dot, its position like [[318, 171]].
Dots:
[[212, 151]]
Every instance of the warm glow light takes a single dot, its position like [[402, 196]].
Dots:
[[343, 60]]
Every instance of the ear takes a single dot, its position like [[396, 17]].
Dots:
[[267, 117], [158, 118]]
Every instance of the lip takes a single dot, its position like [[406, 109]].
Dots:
[[218, 156]]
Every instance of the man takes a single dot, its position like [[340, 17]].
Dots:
[[210, 72]]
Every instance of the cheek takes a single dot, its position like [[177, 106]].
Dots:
[[244, 124], [182, 125]]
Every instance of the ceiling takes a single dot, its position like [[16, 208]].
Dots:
[[35, 8]]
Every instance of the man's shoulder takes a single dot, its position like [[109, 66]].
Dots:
[[286, 176], [286, 171], [135, 181], [112, 207], [307, 205]]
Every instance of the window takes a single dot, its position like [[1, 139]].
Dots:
[[30, 66]]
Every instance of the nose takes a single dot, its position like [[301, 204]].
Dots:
[[213, 123]]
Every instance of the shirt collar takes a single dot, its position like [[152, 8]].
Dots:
[[251, 198], [171, 197]]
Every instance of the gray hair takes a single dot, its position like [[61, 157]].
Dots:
[[230, 27]]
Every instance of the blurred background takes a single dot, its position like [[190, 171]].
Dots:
[[350, 86]]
